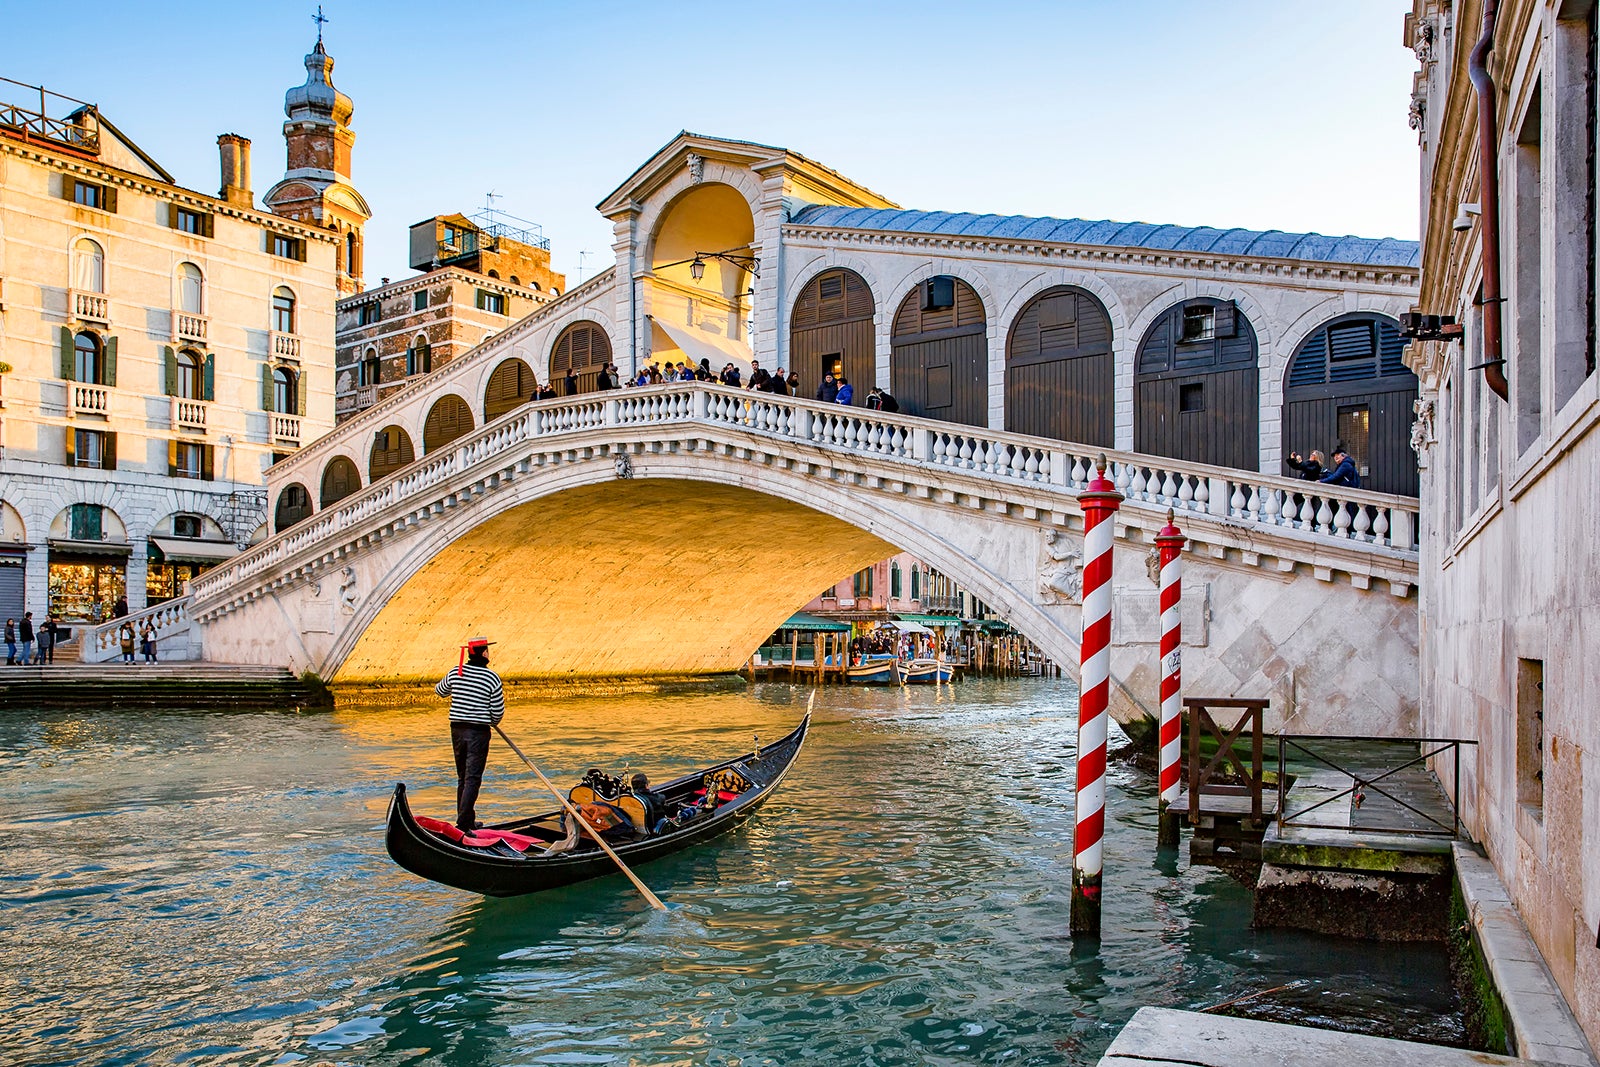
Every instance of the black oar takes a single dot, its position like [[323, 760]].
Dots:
[[654, 900]]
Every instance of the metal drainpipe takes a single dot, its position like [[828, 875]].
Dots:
[[1489, 203]]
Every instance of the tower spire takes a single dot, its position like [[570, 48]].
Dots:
[[319, 18]]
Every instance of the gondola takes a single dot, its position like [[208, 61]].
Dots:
[[504, 860]]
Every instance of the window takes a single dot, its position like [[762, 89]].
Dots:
[[493, 302], [94, 448], [86, 522], [515, 280], [189, 376], [186, 221], [863, 583], [1192, 397], [534, 286], [88, 267], [350, 252], [186, 461], [1530, 735], [285, 395], [90, 195], [494, 274], [186, 526], [419, 300], [288, 247], [937, 293], [191, 289], [1199, 324], [1526, 268], [1353, 425], [369, 313], [419, 357], [283, 310], [371, 369], [894, 580], [554, 291], [916, 583], [88, 358]]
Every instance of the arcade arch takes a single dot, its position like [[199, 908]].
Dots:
[[340, 478], [294, 505], [702, 273], [831, 331], [1195, 386], [584, 349], [391, 450], [939, 355], [1060, 371], [510, 386], [448, 419]]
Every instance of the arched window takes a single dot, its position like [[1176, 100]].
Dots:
[[534, 286], [371, 369], [339, 479], [283, 310], [391, 450], [285, 395], [190, 382], [554, 291], [88, 267], [191, 289], [447, 420], [294, 504], [88, 358], [419, 357], [510, 386], [350, 252], [582, 348], [515, 280], [494, 274]]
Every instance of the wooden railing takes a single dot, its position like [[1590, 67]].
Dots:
[[1236, 779]]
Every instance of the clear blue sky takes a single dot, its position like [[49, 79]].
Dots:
[[1253, 113]]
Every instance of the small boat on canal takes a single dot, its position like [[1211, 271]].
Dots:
[[927, 671], [874, 670], [510, 859]]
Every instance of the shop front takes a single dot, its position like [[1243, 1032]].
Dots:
[[87, 578], [176, 560]]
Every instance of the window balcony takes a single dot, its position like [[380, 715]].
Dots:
[[286, 430], [88, 307], [285, 346], [84, 398], [189, 414], [188, 328]]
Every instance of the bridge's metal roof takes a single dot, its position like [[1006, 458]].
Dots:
[[1370, 251]]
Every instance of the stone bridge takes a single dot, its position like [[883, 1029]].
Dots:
[[666, 531]]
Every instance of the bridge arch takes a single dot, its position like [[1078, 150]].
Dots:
[[939, 352], [391, 450], [340, 478], [1196, 394], [1061, 368], [449, 418], [831, 329]]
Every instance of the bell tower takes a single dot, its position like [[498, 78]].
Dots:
[[316, 185]]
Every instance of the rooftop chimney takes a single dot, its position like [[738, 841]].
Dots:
[[236, 170]]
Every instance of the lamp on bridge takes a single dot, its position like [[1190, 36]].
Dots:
[[697, 265]]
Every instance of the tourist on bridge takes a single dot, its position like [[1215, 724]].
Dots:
[[828, 391], [570, 383], [880, 400], [702, 373], [603, 380], [777, 385], [1344, 470], [25, 635], [1311, 468], [758, 377], [845, 393], [477, 702]]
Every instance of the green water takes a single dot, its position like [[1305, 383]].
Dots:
[[212, 888]]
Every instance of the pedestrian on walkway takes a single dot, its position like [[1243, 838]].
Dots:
[[477, 703], [125, 638], [147, 642], [25, 635], [47, 639], [11, 642]]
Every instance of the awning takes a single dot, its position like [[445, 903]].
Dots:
[[928, 620], [911, 627], [67, 547], [698, 345], [183, 550], [801, 620]]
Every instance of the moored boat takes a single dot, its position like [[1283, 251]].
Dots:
[[874, 670], [507, 859], [928, 672]]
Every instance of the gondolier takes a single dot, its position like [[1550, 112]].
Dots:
[[477, 704]]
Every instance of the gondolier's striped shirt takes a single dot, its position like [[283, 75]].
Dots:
[[475, 695]]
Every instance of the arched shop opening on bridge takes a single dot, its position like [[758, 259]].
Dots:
[[831, 331], [1348, 386], [584, 349], [1195, 394], [294, 505], [939, 353], [510, 386], [1060, 371], [699, 294], [340, 478], [391, 450], [448, 419]]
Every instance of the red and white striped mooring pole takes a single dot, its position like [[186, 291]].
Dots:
[[1169, 543], [1099, 503]]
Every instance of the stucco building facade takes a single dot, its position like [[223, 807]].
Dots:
[[1510, 573], [163, 346]]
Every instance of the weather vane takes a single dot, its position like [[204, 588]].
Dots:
[[319, 18]]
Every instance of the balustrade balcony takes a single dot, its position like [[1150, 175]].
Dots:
[[84, 398], [285, 346], [189, 414], [188, 328], [285, 430], [89, 307]]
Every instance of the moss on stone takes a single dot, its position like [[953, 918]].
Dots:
[[1481, 1006]]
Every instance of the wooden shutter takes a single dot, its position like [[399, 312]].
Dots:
[[111, 362], [170, 360], [300, 394], [1225, 319], [208, 226], [69, 361], [72, 447], [172, 216], [67, 187], [266, 387], [108, 451], [300, 249], [172, 459], [205, 462], [209, 387], [108, 196]]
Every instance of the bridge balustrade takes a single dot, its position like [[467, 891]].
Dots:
[[1302, 510]]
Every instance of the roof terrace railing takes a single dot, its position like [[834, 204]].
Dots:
[[71, 130]]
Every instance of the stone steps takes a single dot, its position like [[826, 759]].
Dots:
[[159, 685]]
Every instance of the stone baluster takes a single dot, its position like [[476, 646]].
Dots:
[[1363, 522], [1341, 520], [1324, 516]]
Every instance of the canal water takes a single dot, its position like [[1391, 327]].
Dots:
[[211, 887]]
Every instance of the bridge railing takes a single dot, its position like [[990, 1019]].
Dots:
[[1308, 510], [103, 643]]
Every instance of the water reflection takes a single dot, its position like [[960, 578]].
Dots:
[[219, 881]]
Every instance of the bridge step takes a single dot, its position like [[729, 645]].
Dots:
[[158, 685]]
